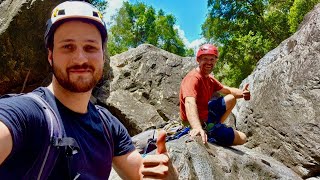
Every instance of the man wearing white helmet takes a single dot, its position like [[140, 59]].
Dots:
[[201, 109], [75, 38]]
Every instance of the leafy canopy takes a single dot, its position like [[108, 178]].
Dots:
[[136, 24], [246, 30], [100, 4]]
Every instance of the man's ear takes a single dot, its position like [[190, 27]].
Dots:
[[197, 59], [50, 57]]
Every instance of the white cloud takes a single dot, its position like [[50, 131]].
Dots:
[[182, 35], [192, 45], [113, 7], [196, 43]]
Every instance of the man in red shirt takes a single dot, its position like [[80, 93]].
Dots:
[[199, 107]]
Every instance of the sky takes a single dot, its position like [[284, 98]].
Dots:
[[189, 14]]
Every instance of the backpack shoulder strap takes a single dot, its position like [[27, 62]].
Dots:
[[106, 125], [46, 160]]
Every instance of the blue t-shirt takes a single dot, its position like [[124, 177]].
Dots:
[[28, 128]]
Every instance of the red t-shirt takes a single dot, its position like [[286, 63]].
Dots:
[[201, 88]]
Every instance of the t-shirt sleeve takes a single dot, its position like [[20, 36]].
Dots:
[[122, 143], [189, 87], [121, 139], [18, 114]]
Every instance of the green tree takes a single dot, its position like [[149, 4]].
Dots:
[[100, 4], [168, 38], [190, 52], [245, 31], [136, 24], [297, 12]]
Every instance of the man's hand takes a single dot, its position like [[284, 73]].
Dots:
[[159, 166], [203, 134], [246, 92]]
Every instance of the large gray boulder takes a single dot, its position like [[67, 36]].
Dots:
[[282, 120], [23, 60], [196, 161], [145, 86]]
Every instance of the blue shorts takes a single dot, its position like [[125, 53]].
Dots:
[[216, 109], [219, 133]]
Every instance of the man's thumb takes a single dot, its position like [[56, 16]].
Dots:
[[246, 86], [161, 142]]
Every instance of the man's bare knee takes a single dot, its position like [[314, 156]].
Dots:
[[230, 101], [239, 138]]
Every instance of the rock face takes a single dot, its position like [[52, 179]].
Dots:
[[194, 160], [22, 53], [197, 161], [145, 87], [282, 119]]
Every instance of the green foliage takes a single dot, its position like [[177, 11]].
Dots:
[[297, 12], [240, 65], [100, 4], [136, 24], [189, 53], [247, 30]]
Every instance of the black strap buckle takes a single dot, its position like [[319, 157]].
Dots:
[[70, 144]]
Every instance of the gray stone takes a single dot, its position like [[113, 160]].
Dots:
[[146, 76], [22, 53], [194, 160], [135, 115], [282, 117]]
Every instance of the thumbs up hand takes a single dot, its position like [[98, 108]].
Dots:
[[246, 92], [161, 143], [159, 166]]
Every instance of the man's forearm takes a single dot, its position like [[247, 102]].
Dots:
[[192, 114], [194, 122], [236, 92], [128, 166]]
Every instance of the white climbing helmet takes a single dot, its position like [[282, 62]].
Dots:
[[74, 10]]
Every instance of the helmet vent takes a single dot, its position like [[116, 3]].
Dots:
[[61, 12], [95, 14]]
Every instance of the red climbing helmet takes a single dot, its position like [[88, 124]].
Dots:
[[207, 49]]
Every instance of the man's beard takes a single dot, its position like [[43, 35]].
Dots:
[[80, 84]]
